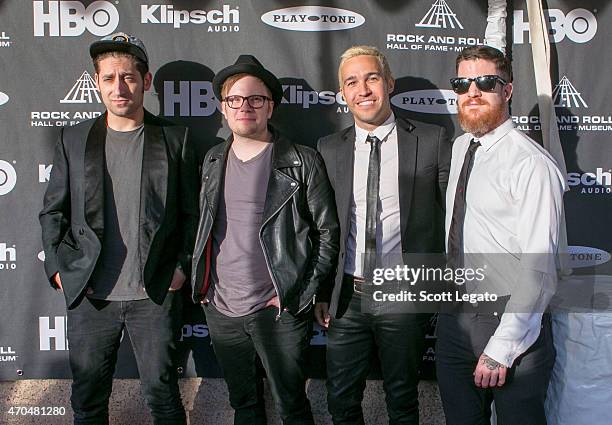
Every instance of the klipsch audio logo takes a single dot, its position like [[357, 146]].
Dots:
[[225, 19], [72, 18], [312, 18], [8, 177], [83, 91], [579, 25], [8, 257], [440, 15], [438, 101], [591, 183], [44, 172]]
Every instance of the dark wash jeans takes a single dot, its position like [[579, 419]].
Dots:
[[462, 338], [353, 338], [94, 333], [281, 345]]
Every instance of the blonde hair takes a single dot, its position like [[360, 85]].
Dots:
[[363, 50]]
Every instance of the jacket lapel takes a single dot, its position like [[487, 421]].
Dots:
[[407, 152], [214, 177], [281, 187], [93, 169], [345, 163], [153, 182]]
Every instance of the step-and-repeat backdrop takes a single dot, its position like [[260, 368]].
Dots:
[[46, 83]]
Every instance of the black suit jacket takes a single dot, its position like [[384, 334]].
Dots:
[[72, 218], [423, 162]]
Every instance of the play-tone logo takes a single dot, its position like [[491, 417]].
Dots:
[[579, 25], [312, 18], [586, 256], [8, 177], [3, 98], [439, 15], [83, 91], [434, 101], [72, 18], [566, 95]]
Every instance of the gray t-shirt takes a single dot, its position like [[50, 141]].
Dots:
[[241, 281], [117, 276]]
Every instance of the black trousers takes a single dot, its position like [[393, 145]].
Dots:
[[352, 339], [281, 345], [94, 335], [461, 340]]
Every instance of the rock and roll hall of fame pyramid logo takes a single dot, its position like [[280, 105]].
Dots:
[[83, 91], [440, 15], [566, 95]]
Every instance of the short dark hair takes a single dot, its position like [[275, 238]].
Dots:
[[501, 61], [141, 65]]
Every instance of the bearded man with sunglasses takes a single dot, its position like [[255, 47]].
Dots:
[[267, 239], [503, 205]]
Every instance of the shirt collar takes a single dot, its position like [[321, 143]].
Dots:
[[492, 137], [382, 131]]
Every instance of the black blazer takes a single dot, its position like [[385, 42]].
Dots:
[[72, 218], [424, 161]]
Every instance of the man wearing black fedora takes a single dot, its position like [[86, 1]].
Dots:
[[267, 239]]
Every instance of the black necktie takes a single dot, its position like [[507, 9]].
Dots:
[[455, 233], [372, 207]]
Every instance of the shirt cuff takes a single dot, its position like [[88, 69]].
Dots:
[[500, 352]]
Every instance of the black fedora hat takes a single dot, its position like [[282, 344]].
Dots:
[[249, 64]]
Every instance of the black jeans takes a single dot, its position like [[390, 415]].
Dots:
[[352, 340], [461, 340], [281, 346], [94, 334]]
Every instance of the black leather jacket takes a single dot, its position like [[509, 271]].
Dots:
[[300, 233]]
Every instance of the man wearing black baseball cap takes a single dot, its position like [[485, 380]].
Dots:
[[267, 240], [118, 222]]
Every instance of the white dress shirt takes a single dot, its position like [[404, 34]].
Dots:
[[514, 202], [388, 227]]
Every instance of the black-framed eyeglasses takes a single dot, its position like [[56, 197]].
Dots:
[[255, 101], [484, 83]]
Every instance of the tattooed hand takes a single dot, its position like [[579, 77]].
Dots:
[[489, 373]]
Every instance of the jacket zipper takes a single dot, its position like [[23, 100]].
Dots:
[[280, 302]]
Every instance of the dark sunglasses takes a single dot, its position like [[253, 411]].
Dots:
[[484, 83]]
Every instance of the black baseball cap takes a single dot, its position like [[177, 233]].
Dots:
[[120, 42]]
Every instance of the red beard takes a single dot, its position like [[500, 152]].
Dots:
[[479, 123]]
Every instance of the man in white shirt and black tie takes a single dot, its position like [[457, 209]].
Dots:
[[389, 178], [503, 206]]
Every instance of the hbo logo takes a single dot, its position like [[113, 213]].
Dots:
[[579, 25], [72, 18]]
